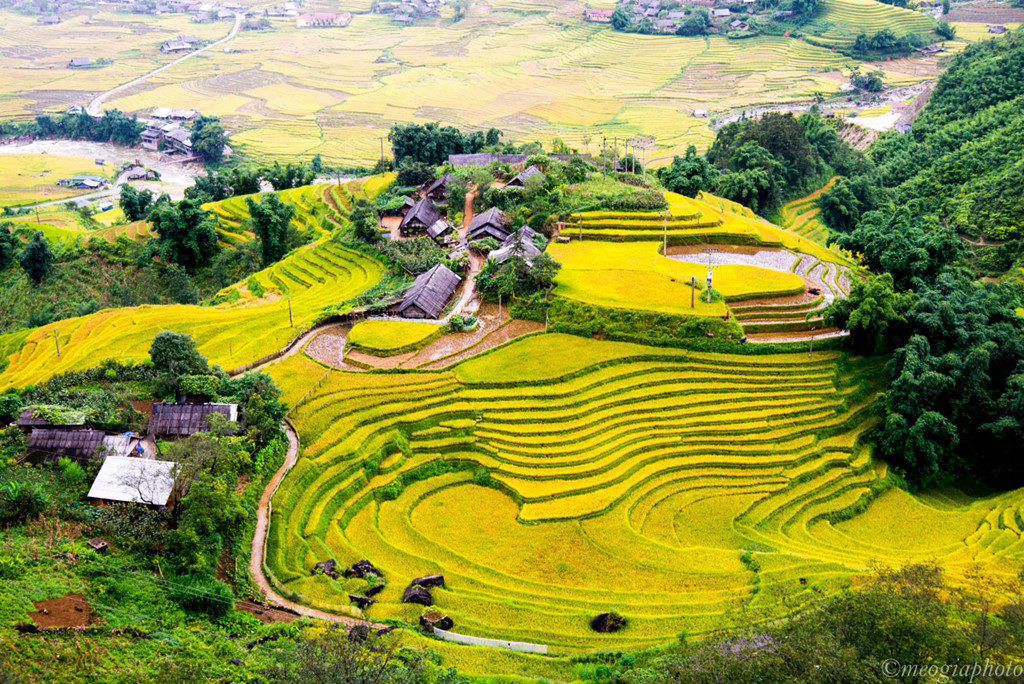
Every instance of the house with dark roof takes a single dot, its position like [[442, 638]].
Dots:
[[429, 293], [179, 140], [520, 179], [419, 218], [438, 190], [47, 445], [182, 420], [404, 208], [490, 223], [38, 417], [484, 158]]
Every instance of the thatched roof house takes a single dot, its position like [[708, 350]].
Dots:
[[134, 480], [429, 293], [438, 190], [490, 223], [181, 420], [523, 176], [39, 417], [519, 243], [79, 445], [419, 218]]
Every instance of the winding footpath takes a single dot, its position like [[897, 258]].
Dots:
[[97, 102], [259, 543]]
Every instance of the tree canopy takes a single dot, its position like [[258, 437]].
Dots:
[[187, 233], [271, 220]]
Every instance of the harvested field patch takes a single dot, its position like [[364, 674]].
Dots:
[[71, 611]]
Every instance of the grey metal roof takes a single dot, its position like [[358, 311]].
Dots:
[[424, 213], [186, 419], [137, 480], [438, 228], [519, 242], [431, 291]]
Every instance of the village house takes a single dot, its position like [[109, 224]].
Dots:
[[491, 223], [932, 49], [49, 20], [520, 243], [35, 417], [182, 420], [179, 140], [721, 12], [134, 480], [83, 181], [438, 190], [176, 46], [419, 218], [441, 231], [598, 16], [429, 293], [77, 62], [738, 25], [47, 445], [322, 19], [996, 28], [521, 178], [136, 172]]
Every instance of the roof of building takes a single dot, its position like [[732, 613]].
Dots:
[[186, 419], [519, 242], [526, 174], [27, 418], [491, 219], [438, 228], [431, 291], [424, 212], [484, 158], [136, 480], [80, 445], [440, 184], [172, 45], [80, 61]]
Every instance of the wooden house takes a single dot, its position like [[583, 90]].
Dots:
[[440, 231], [490, 223], [423, 215], [521, 178], [438, 190], [182, 420], [429, 293], [134, 480]]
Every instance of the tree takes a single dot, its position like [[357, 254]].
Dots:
[[874, 314], [36, 258], [945, 30], [186, 231], [8, 244], [459, 9], [690, 174], [211, 514], [208, 139], [271, 220], [289, 176], [620, 19], [840, 207], [135, 205], [176, 354], [365, 224], [696, 23]]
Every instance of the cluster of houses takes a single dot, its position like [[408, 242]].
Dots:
[[130, 471], [322, 20], [84, 181], [164, 128], [666, 16], [997, 29], [183, 43], [202, 12], [408, 11]]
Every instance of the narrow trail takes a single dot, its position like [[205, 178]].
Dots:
[[259, 543], [475, 262], [97, 102]]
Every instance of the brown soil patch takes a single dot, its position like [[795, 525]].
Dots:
[[329, 346], [510, 331], [67, 612], [985, 13], [379, 361], [143, 406], [265, 612]]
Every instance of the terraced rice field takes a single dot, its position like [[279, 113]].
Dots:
[[250, 326], [384, 338], [558, 477], [843, 20], [801, 216]]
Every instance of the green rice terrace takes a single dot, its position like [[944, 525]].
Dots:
[[557, 478]]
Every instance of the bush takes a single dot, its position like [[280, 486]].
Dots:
[[202, 594], [10, 406], [21, 501], [11, 567]]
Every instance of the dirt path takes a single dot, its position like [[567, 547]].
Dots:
[[97, 102], [475, 262], [259, 542]]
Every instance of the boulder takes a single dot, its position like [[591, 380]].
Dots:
[[361, 602], [417, 594], [362, 569], [608, 622], [433, 618], [375, 589], [430, 581], [327, 567]]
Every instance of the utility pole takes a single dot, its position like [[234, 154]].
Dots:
[[57, 343], [291, 321], [604, 154], [664, 251], [37, 215], [693, 290]]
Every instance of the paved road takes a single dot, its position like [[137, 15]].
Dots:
[[94, 106]]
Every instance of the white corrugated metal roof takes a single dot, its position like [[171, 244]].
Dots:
[[138, 480]]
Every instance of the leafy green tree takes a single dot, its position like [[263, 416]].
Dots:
[[840, 207], [288, 176], [135, 205], [620, 19], [945, 30], [37, 258], [176, 354], [8, 244], [208, 139], [697, 23], [271, 220], [690, 174], [365, 224], [874, 314], [210, 516], [187, 233]]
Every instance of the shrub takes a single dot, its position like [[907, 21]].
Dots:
[[11, 567], [202, 594], [21, 501]]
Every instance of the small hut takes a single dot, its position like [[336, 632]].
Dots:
[[490, 223], [134, 480], [521, 178], [438, 190], [429, 293], [419, 218]]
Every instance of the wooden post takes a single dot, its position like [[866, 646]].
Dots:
[[37, 215], [291, 322], [693, 290], [545, 320], [664, 251], [57, 343]]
